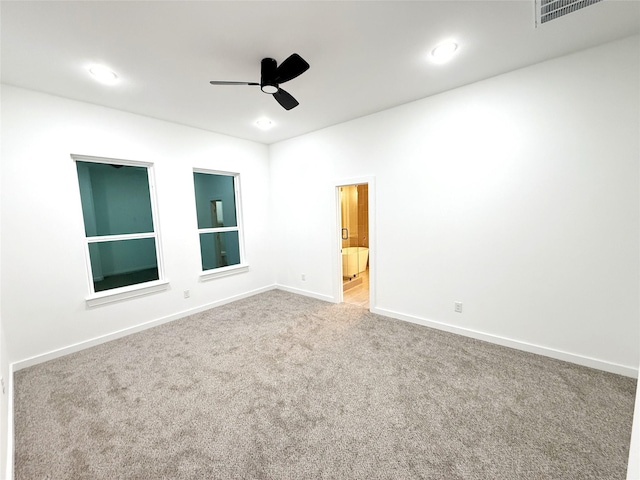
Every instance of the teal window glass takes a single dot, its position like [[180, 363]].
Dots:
[[115, 199], [123, 262], [215, 200], [118, 221], [219, 249], [217, 215]]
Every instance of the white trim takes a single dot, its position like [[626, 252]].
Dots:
[[76, 347], [307, 293], [120, 237], [611, 367], [155, 217], [336, 271], [111, 161], [239, 219], [125, 293], [223, 272], [218, 230], [216, 172]]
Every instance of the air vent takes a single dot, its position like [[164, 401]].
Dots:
[[547, 10]]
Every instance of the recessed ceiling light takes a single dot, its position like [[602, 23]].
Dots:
[[264, 123], [103, 74], [444, 51]]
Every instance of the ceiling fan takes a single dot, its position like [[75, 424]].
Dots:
[[272, 75]]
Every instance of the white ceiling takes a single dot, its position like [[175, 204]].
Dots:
[[365, 56]]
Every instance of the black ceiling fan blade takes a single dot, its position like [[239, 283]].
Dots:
[[293, 66], [215, 82], [285, 99]]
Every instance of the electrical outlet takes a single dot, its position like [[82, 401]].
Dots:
[[457, 307], [304, 277], [187, 294]]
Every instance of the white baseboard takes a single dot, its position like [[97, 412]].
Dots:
[[28, 362], [627, 371], [307, 293]]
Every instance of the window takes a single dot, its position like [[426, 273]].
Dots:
[[217, 209], [122, 245]]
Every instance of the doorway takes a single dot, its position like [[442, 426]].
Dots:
[[355, 244]]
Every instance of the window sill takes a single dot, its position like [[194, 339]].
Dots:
[[124, 293], [223, 272]]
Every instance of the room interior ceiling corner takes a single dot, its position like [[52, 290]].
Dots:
[[365, 56]]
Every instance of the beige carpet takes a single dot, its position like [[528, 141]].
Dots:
[[280, 386]]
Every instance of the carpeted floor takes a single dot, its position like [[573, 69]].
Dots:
[[280, 386]]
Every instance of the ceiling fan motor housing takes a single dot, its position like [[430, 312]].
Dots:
[[268, 76]]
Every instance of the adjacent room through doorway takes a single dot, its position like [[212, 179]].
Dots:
[[354, 223]]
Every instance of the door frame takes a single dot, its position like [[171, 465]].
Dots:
[[369, 180]]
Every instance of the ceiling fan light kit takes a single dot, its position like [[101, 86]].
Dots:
[[268, 68], [272, 75]]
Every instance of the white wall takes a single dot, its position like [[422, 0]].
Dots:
[[518, 196], [43, 305], [6, 440], [6, 406]]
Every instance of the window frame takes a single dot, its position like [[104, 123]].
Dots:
[[129, 291], [241, 267]]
